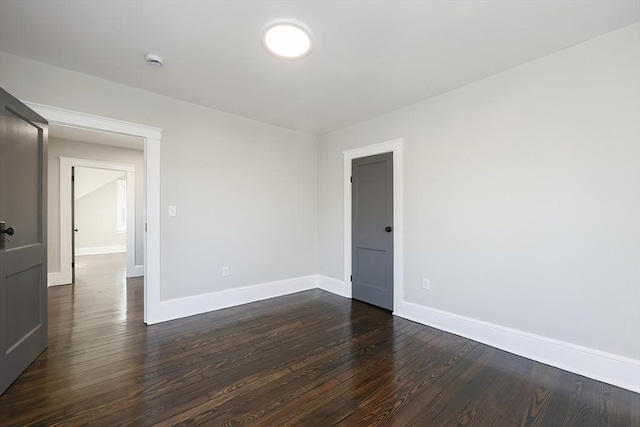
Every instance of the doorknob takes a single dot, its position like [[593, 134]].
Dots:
[[8, 231], [388, 229], [75, 229]]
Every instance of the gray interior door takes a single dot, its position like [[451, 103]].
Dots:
[[23, 251], [372, 232]]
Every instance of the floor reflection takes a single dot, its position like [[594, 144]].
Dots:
[[104, 277]]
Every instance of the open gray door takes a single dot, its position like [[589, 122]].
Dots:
[[372, 232], [23, 250]]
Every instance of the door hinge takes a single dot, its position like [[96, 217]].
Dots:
[[73, 264], [145, 227], [352, 278], [351, 179]]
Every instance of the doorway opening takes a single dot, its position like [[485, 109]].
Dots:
[[151, 138], [98, 212], [104, 218]]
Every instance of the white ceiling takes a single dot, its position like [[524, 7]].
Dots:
[[369, 57]]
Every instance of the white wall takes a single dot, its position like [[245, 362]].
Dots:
[[96, 215], [83, 150], [245, 191], [522, 197], [90, 179]]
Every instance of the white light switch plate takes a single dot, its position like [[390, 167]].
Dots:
[[173, 211]]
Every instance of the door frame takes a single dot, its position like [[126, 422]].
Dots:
[[66, 255], [152, 137], [396, 147]]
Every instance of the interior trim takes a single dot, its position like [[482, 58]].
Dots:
[[396, 147], [102, 250], [607, 367], [599, 365], [197, 304], [152, 137]]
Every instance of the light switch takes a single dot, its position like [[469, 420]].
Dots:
[[173, 211]]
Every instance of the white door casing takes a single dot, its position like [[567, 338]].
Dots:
[[151, 205], [396, 147]]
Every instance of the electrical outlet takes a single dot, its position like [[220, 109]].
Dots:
[[225, 271], [426, 284]]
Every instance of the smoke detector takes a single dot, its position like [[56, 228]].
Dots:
[[155, 60]]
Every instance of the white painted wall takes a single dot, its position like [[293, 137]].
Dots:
[[245, 191], [61, 148], [90, 179], [96, 212], [522, 196]]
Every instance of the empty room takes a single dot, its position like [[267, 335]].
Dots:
[[320, 213]]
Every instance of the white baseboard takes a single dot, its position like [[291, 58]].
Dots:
[[610, 368], [335, 286], [138, 271], [56, 279], [101, 250], [197, 304]]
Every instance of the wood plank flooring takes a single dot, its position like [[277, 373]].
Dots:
[[307, 359]]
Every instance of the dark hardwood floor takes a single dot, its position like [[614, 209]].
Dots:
[[308, 359]]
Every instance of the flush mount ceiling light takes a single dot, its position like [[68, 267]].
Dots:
[[287, 40]]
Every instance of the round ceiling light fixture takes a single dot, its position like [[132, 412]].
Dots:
[[287, 40]]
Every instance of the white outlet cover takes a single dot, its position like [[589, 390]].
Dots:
[[425, 283], [173, 211]]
